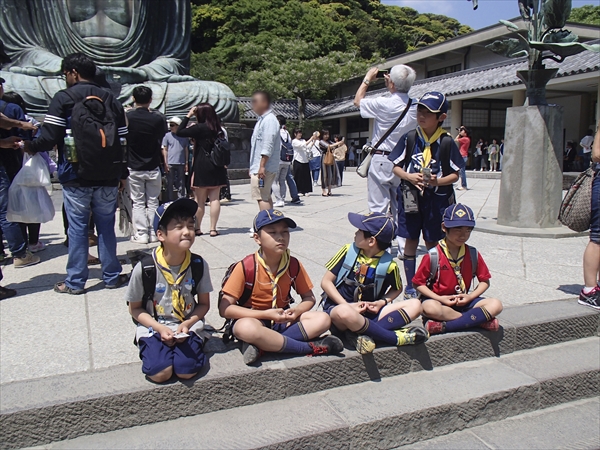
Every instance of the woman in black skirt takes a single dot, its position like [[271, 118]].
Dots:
[[207, 179], [301, 166]]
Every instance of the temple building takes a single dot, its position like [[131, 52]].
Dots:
[[479, 84]]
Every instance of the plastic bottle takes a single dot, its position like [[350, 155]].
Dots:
[[70, 150], [123, 142]]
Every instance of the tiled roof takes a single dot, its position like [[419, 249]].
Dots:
[[474, 80], [286, 108]]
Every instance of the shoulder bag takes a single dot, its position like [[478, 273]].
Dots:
[[363, 169]]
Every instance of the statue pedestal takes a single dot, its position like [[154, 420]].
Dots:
[[239, 135], [531, 189]]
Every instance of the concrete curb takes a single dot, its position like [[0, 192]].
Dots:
[[67, 410], [492, 227]]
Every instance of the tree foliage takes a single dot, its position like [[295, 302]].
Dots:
[[587, 14], [301, 48]]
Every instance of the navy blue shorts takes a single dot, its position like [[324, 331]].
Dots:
[[429, 218], [595, 219], [185, 358], [464, 308], [368, 315]]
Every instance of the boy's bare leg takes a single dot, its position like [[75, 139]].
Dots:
[[591, 264], [434, 310], [412, 307], [492, 305], [347, 317], [252, 331], [163, 375], [315, 323]]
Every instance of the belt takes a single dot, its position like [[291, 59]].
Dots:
[[381, 152]]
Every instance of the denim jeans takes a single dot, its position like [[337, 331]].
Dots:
[[315, 168], [595, 217], [12, 231], [101, 202], [284, 175], [341, 167], [463, 173], [176, 182]]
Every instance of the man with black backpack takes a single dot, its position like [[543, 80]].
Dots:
[[90, 167], [284, 175], [428, 162]]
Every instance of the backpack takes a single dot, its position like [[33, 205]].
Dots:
[[249, 266], [97, 142], [287, 150], [348, 266], [220, 155], [434, 264], [575, 211], [149, 278]]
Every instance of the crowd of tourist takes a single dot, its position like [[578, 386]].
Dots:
[[412, 166]]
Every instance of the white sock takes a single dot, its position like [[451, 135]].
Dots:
[[587, 290]]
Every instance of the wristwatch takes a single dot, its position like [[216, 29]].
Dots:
[[367, 82]]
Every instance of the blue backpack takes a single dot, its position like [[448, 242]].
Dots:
[[348, 266], [287, 150]]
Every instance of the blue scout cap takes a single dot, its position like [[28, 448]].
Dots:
[[166, 210], [380, 225], [459, 215], [434, 101], [269, 216]]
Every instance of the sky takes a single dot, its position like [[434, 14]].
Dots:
[[488, 13]]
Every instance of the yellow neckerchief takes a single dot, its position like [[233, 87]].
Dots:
[[427, 142], [177, 299], [455, 264], [284, 265]]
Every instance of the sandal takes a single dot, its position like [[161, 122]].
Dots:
[[214, 233], [198, 232], [62, 288], [121, 280]]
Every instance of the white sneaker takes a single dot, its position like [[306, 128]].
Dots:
[[279, 204], [139, 239]]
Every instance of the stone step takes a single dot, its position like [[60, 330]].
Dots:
[[51, 409], [394, 411], [573, 425]]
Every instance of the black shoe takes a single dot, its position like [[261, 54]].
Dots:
[[327, 346], [6, 293], [296, 201], [591, 299], [251, 353], [123, 279]]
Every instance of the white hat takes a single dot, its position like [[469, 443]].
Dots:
[[175, 120]]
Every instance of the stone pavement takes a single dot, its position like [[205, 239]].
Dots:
[[43, 333]]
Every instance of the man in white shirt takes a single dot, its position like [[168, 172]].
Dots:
[[385, 110], [586, 144]]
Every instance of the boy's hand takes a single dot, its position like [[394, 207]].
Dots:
[[166, 335], [463, 299], [449, 300], [375, 307], [182, 329], [433, 181], [292, 314], [361, 307], [415, 178], [277, 315]]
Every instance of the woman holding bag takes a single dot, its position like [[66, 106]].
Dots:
[[330, 176]]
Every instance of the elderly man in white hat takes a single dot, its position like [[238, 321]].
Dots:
[[176, 154]]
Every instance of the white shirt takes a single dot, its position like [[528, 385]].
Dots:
[[315, 149], [586, 143], [386, 110], [265, 142], [300, 151]]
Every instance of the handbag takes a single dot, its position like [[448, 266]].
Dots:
[[328, 159], [365, 165], [576, 208]]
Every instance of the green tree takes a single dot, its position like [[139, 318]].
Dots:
[[294, 69], [587, 14]]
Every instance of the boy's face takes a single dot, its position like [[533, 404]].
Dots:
[[179, 235], [459, 235], [428, 120], [363, 242], [274, 238]]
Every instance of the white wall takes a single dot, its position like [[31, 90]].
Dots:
[[572, 115]]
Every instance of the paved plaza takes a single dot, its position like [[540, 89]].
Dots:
[[47, 334]]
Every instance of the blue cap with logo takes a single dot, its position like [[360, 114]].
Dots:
[[434, 101], [459, 215], [270, 216], [165, 211], [380, 225]]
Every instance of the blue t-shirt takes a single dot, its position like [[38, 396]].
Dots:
[[412, 161], [176, 148]]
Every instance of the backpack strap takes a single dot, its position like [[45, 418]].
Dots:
[[474, 260], [411, 140], [445, 151], [434, 265], [381, 272], [148, 282], [249, 267], [348, 265], [197, 265]]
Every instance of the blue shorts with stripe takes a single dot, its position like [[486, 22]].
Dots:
[[464, 308], [428, 220]]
